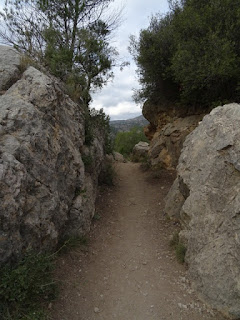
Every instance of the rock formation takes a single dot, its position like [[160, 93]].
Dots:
[[141, 149], [46, 192], [167, 131], [118, 157], [10, 67], [206, 199]]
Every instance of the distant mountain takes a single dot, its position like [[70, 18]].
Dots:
[[127, 125]]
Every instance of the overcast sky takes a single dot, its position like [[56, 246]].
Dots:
[[116, 97]]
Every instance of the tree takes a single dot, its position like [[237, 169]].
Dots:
[[206, 58], [70, 37], [152, 54], [125, 141], [191, 55], [97, 124]]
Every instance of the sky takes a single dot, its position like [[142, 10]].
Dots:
[[116, 98]]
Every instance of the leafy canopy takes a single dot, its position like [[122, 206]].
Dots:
[[191, 55], [97, 125]]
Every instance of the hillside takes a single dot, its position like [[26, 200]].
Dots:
[[126, 125]]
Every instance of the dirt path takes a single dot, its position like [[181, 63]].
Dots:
[[128, 272]]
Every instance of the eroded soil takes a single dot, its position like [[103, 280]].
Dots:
[[128, 270]]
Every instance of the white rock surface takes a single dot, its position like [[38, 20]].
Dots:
[[45, 193], [141, 149], [209, 184], [9, 67]]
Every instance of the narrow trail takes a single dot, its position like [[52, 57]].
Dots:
[[129, 271]]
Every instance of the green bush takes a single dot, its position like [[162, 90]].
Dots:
[[125, 141], [179, 247], [97, 122], [80, 191], [25, 286], [87, 159], [25, 62], [180, 252], [73, 44], [190, 56]]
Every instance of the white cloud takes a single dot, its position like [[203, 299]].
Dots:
[[119, 108], [123, 107], [116, 97]]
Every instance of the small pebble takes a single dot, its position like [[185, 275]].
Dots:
[[96, 310], [182, 306]]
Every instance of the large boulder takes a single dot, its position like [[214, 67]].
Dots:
[[208, 205], [141, 149], [45, 191]]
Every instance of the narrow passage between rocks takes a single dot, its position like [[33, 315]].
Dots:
[[128, 271]]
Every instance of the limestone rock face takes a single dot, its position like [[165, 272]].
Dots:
[[166, 144], [9, 67], [161, 113], [151, 112], [158, 113], [141, 149], [45, 191], [174, 201], [208, 186], [168, 128]]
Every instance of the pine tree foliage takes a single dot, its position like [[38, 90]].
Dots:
[[69, 37]]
